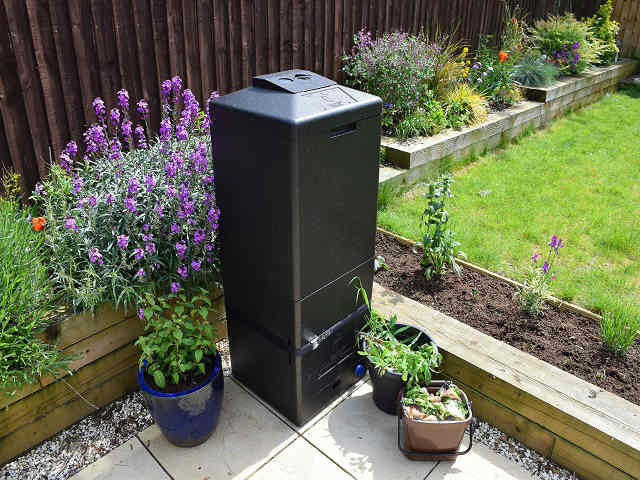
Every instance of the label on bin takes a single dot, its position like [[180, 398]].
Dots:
[[330, 98]]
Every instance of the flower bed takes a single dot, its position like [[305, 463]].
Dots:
[[567, 339]]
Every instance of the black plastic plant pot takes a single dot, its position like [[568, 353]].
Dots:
[[387, 384], [187, 418]]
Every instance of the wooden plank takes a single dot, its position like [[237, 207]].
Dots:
[[126, 42], [176, 39], [595, 420], [143, 22], [260, 37], [64, 47], [81, 326], [192, 48], [337, 38], [206, 48], [106, 50], [585, 465], [273, 37], [298, 33], [13, 114], [286, 53], [160, 39], [25, 391], [220, 35], [19, 29], [45, 413], [318, 38], [5, 155], [42, 36], [247, 41], [102, 344], [86, 59], [235, 44], [329, 21]]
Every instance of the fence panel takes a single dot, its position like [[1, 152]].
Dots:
[[61, 54]]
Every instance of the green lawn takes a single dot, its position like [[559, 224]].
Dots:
[[579, 179]]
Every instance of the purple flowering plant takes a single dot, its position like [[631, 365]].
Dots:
[[402, 69], [536, 287], [118, 208]]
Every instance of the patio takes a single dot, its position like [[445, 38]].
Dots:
[[349, 439]]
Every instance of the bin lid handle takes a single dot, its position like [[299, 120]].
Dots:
[[292, 81]]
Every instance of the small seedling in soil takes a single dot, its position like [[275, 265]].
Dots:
[[379, 264]]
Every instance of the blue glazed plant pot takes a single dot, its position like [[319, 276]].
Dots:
[[187, 418]]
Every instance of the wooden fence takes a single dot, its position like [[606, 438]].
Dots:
[[627, 12], [57, 55]]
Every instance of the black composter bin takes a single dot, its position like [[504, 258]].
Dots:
[[296, 174]]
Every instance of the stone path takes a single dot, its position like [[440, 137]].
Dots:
[[350, 439]]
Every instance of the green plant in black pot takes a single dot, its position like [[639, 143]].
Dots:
[[396, 355], [440, 244]]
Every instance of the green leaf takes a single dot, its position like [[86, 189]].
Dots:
[[158, 377], [204, 312], [198, 355], [179, 310], [178, 335]]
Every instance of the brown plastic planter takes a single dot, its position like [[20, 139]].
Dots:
[[422, 440]]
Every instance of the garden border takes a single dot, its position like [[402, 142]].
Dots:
[[105, 371], [578, 425], [422, 157]]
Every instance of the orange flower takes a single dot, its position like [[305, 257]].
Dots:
[[503, 56], [38, 223]]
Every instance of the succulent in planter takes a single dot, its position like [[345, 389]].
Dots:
[[180, 369]]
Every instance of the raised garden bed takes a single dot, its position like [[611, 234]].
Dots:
[[580, 425], [105, 370], [427, 156]]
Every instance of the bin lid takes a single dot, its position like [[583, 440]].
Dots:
[[292, 81]]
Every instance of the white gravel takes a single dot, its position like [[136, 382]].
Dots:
[[83, 443], [510, 448]]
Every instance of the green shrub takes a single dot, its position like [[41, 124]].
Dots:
[[605, 30], [180, 341], [26, 302], [425, 121], [619, 330], [533, 70], [567, 42], [463, 106], [440, 245]]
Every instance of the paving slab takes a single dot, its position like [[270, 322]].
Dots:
[[362, 440], [130, 460], [322, 413], [301, 460], [247, 437], [481, 463]]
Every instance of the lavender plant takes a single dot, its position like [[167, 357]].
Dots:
[[134, 214], [536, 288], [398, 68]]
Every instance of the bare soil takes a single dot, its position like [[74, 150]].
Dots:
[[565, 339]]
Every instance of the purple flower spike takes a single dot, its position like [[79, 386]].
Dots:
[[100, 109], [114, 117], [139, 253], [175, 287], [165, 90], [199, 236], [545, 267], [150, 182], [182, 271], [143, 109], [95, 256], [175, 228], [70, 223], [176, 85], [181, 248], [165, 129], [130, 204], [110, 198], [123, 100], [195, 264], [535, 257], [142, 139], [140, 273], [553, 242], [123, 241], [141, 313]]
